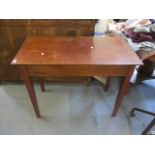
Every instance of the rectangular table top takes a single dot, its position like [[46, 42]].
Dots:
[[40, 50]]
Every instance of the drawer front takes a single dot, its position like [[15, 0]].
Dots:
[[76, 70]]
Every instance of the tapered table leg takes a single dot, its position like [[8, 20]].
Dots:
[[30, 89], [41, 81], [107, 84], [122, 91]]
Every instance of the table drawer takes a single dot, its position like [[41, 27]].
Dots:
[[76, 70]]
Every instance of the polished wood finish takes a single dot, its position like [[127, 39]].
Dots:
[[123, 89], [76, 51], [76, 70], [14, 31], [41, 81], [107, 84], [30, 90], [76, 56]]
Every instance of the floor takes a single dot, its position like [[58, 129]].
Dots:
[[74, 109]]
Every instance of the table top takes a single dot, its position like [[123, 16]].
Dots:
[[39, 50]]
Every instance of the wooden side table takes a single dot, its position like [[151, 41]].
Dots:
[[75, 56]]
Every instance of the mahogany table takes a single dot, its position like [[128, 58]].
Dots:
[[75, 56]]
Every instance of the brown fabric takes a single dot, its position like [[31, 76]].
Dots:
[[140, 37]]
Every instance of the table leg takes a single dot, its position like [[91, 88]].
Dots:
[[107, 84], [122, 91], [41, 81], [30, 89]]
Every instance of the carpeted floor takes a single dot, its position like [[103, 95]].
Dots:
[[74, 109]]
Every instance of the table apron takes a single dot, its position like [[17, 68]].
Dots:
[[76, 70]]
